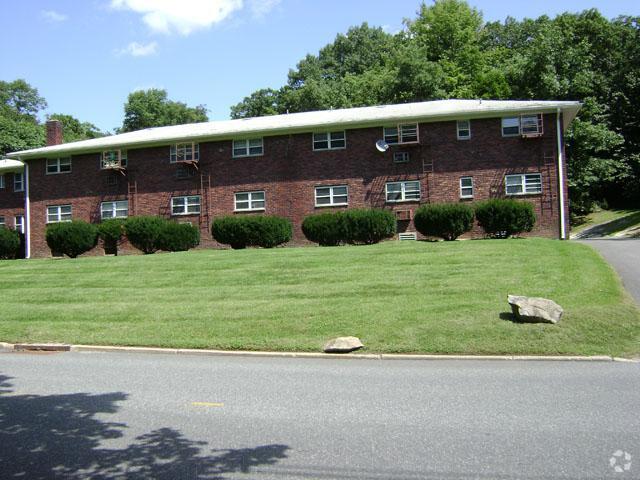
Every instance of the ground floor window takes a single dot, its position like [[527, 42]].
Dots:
[[19, 223], [187, 205], [118, 209], [58, 213], [332, 195], [523, 184], [466, 187], [246, 201], [402, 191], [2, 222]]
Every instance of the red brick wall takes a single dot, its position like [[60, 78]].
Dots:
[[11, 203], [290, 169]]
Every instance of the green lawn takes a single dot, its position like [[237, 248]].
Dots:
[[612, 221], [397, 297]]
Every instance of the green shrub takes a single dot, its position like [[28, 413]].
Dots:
[[444, 220], [325, 229], [111, 232], [502, 218], [178, 237], [9, 243], [251, 231], [71, 238], [143, 232], [368, 226]]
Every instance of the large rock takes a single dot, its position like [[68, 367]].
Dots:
[[535, 309], [343, 345]]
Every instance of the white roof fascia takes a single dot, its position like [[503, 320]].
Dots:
[[9, 165]]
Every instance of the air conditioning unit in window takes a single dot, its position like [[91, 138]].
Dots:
[[531, 125], [404, 215]]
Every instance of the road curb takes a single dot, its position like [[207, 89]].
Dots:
[[349, 356]]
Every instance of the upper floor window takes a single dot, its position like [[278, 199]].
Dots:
[[526, 125], [184, 152], [58, 213], [466, 187], [249, 147], [19, 223], [118, 209], [58, 165], [18, 182], [404, 133], [332, 195], [187, 205], [1, 180], [402, 191], [113, 159], [245, 201], [510, 126], [464, 129], [329, 141], [523, 184]]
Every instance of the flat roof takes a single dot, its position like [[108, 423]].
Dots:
[[307, 121]]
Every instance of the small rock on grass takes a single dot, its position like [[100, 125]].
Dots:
[[535, 309], [343, 345]]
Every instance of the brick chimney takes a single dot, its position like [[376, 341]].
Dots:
[[54, 132]]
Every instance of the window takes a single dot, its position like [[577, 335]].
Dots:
[[329, 141], [118, 209], [523, 184], [1, 180], [18, 182], [246, 201], [407, 133], [58, 165], [332, 196], [19, 223], [466, 187], [402, 191], [184, 152], [58, 213], [400, 157], [529, 125], [2, 223], [113, 159], [464, 129], [189, 205], [249, 147], [184, 171]]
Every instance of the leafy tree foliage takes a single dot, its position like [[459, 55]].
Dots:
[[152, 108], [74, 130]]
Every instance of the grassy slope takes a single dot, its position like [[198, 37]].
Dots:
[[619, 220], [397, 297]]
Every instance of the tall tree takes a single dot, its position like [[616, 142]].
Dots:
[[74, 130], [20, 104]]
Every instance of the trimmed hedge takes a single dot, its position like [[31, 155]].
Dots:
[[369, 226], [71, 238], [111, 232], [444, 220], [502, 218], [251, 231], [143, 232], [325, 229], [9, 243], [178, 237]]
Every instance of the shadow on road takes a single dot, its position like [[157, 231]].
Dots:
[[50, 436]]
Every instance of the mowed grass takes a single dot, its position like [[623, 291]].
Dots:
[[397, 297]]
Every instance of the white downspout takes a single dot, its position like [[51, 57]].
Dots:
[[560, 177], [27, 213]]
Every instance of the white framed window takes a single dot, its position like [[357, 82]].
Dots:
[[331, 196], [247, 201], [523, 184], [329, 141], [2, 222], [464, 129], [18, 182], [58, 165], [531, 124], [187, 205], [19, 223], [113, 159], [58, 213], [249, 147], [402, 191], [404, 133], [466, 187], [510, 126], [117, 209], [184, 152], [1, 180]]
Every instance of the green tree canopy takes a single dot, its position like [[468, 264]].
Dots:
[[152, 108]]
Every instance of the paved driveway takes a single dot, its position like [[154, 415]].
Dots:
[[624, 256]]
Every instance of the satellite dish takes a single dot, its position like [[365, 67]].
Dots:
[[382, 146]]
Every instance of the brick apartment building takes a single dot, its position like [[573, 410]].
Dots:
[[395, 157]]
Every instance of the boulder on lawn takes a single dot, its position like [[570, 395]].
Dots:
[[343, 345], [535, 309]]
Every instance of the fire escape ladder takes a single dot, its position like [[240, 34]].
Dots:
[[132, 193], [205, 188]]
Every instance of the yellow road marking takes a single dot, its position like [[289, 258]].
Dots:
[[207, 404]]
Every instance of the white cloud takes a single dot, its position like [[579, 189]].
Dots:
[[259, 8], [53, 16], [182, 16], [136, 49]]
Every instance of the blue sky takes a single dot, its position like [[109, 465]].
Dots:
[[86, 56]]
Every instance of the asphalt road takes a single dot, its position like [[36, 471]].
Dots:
[[102, 415], [624, 256]]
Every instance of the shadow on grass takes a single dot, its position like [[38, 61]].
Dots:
[[59, 436], [611, 227], [509, 317]]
